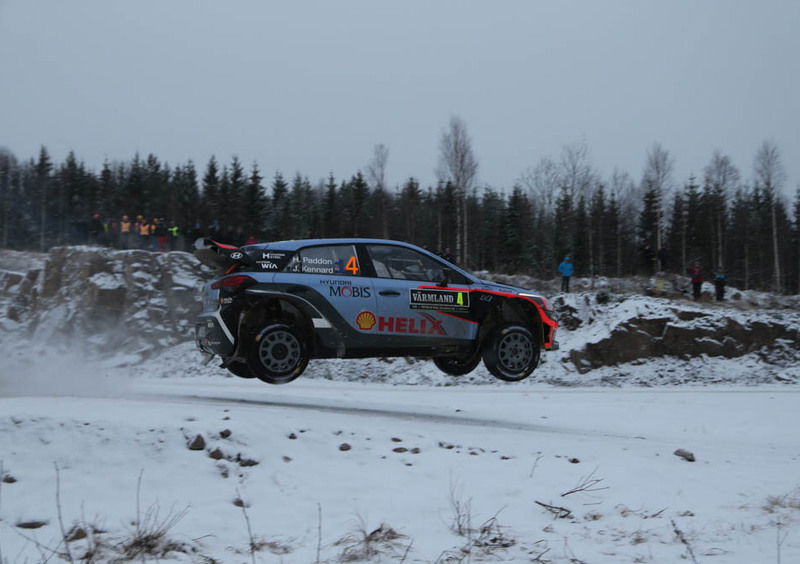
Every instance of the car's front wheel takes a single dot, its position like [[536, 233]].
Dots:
[[278, 354], [458, 366], [511, 353]]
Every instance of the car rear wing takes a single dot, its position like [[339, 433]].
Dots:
[[218, 255]]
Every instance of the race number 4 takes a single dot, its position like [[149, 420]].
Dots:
[[352, 266]]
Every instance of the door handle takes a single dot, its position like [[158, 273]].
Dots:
[[389, 293]]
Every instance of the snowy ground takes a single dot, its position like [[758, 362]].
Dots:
[[336, 461], [391, 460]]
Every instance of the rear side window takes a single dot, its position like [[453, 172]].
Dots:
[[337, 260]]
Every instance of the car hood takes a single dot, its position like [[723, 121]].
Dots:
[[495, 287]]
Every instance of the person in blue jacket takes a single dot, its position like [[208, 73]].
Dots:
[[565, 269]]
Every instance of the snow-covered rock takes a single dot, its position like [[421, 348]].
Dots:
[[104, 301]]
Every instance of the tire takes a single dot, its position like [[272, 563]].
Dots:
[[458, 366], [511, 353], [278, 354], [240, 369]]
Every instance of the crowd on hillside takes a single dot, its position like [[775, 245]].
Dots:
[[154, 234]]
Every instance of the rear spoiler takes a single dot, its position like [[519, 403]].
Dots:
[[218, 255]]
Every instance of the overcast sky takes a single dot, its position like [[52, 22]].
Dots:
[[312, 86]]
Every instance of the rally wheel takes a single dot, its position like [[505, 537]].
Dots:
[[511, 353], [278, 354]]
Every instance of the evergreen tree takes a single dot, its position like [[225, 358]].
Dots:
[[597, 239], [280, 226], [564, 221], [517, 233], [796, 261], [255, 200], [613, 236], [9, 194], [648, 228], [359, 193], [235, 201], [739, 258], [330, 209], [409, 204], [42, 194], [493, 209], [677, 232], [210, 198]]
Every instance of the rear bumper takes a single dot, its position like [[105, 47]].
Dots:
[[211, 336]]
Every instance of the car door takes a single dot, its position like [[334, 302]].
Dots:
[[334, 274], [408, 311]]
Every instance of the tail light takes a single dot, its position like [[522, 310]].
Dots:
[[233, 282]]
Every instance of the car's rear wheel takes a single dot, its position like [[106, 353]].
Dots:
[[511, 352], [278, 354], [240, 369], [458, 366]]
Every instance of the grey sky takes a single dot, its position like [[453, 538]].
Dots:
[[312, 86]]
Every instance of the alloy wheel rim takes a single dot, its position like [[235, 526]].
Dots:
[[515, 352], [279, 351]]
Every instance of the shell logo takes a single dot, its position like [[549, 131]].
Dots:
[[366, 320]]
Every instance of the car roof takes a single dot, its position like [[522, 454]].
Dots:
[[293, 245], [296, 244]]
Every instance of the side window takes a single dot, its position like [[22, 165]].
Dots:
[[339, 260], [405, 264]]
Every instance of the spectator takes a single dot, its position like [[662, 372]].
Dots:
[[125, 227], [719, 285], [160, 234], [697, 280], [112, 233], [152, 239], [565, 269], [174, 236], [144, 232], [96, 229]]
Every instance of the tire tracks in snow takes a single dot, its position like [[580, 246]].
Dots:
[[390, 413]]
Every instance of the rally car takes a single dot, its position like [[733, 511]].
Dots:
[[280, 304]]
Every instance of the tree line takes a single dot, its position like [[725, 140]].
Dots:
[[613, 226]]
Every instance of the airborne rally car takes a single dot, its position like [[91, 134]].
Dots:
[[280, 304]]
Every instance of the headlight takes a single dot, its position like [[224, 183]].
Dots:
[[538, 299]]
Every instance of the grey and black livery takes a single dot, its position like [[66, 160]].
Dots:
[[280, 304]]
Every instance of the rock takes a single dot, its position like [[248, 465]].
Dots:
[[31, 524], [685, 454], [400, 449], [76, 534], [114, 301], [198, 443], [344, 447], [216, 454], [689, 334], [225, 433], [244, 462]]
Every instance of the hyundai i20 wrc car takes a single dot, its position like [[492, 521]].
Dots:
[[280, 304]]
